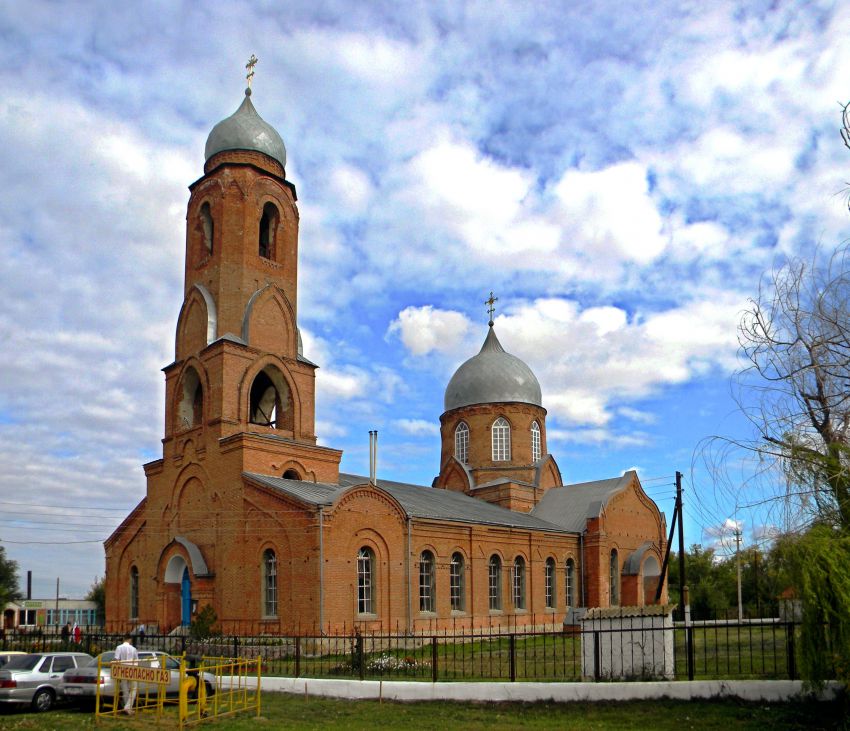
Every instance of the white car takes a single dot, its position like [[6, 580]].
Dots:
[[35, 678], [80, 684]]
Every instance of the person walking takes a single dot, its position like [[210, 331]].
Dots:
[[126, 653]]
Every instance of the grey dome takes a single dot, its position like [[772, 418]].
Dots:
[[246, 130], [492, 376]]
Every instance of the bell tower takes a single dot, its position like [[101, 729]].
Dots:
[[239, 367]]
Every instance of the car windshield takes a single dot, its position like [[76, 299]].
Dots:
[[104, 657], [23, 662]]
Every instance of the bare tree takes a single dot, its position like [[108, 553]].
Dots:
[[794, 388]]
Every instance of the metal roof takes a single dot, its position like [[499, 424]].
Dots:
[[571, 505], [492, 376], [417, 501], [246, 130]]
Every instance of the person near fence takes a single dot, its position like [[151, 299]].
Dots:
[[66, 633], [78, 633], [126, 653]]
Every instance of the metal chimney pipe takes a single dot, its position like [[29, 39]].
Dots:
[[29, 584], [373, 456]]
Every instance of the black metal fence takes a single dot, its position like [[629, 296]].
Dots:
[[755, 649]]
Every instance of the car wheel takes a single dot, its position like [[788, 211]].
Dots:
[[43, 700]]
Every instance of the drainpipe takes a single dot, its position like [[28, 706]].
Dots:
[[321, 571], [581, 553], [407, 579]]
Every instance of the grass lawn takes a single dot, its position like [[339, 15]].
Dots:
[[282, 711]]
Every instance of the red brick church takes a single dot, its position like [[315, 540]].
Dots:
[[245, 512]]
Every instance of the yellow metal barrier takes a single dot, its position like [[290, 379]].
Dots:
[[236, 688], [146, 681], [217, 687]]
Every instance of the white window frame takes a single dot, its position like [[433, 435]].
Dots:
[[427, 583], [457, 582], [494, 582], [569, 582], [536, 451], [549, 583], [366, 581], [462, 442], [269, 583], [501, 440], [518, 582]]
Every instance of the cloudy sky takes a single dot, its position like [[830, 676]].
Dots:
[[619, 175]]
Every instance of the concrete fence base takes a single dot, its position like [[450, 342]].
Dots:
[[396, 690]]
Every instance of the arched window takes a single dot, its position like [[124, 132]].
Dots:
[[291, 474], [134, 593], [270, 402], [519, 583], [570, 581], [494, 581], [501, 440], [190, 410], [427, 598], [550, 583], [615, 578], [462, 442], [268, 226], [535, 441], [269, 583], [457, 583], [365, 581], [207, 226]]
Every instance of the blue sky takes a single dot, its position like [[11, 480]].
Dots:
[[621, 176]]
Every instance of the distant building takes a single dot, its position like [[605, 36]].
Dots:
[[46, 613], [245, 512]]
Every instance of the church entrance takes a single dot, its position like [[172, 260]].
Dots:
[[185, 599], [177, 583]]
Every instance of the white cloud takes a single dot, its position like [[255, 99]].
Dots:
[[611, 210], [426, 329], [592, 362], [417, 427]]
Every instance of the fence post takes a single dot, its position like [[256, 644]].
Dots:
[[433, 659], [512, 654], [689, 650], [297, 657], [597, 656], [791, 649], [235, 646], [358, 649]]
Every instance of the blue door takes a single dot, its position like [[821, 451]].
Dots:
[[185, 599]]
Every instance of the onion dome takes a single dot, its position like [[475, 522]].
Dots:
[[246, 130], [492, 376]]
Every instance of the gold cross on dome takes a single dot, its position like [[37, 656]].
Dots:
[[250, 66], [490, 306]]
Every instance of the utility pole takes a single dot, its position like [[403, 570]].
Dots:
[[738, 559], [756, 580], [683, 584]]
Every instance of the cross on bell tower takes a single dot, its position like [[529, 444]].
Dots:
[[491, 309]]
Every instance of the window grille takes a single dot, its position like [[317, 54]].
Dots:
[[457, 583], [550, 583], [615, 578], [462, 442], [535, 441], [501, 432], [269, 583], [426, 582], [570, 582], [519, 583], [494, 582], [365, 581]]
